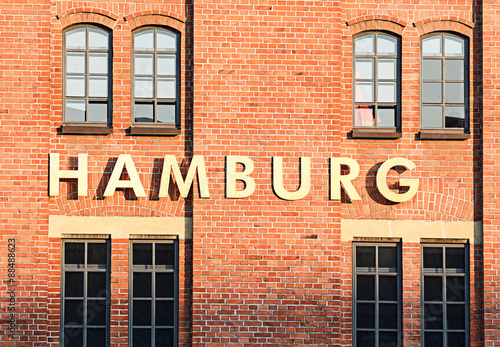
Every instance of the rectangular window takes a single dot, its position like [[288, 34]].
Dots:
[[377, 295], [153, 293], [445, 295], [85, 293]]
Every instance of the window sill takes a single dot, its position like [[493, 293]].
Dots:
[[85, 129], [154, 130], [375, 133], [443, 134]]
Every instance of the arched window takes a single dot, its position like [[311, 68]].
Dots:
[[87, 75], [444, 83], [156, 77]]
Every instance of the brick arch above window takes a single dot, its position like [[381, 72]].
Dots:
[[155, 17], [376, 23], [444, 23], [87, 15]]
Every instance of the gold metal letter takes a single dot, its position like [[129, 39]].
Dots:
[[197, 166], [125, 160], [412, 183], [232, 176], [336, 178], [80, 174], [305, 179]]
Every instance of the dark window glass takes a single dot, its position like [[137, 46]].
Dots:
[[164, 313], [165, 254], [73, 337], [388, 339], [74, 253], [142, 285], [96, 337], [455, 288], [387, 257], [143, 254], [73, 284], [97, 285], [388, 290], [365, 338], [433, 288], [97, 254], [73, 312], [433, 258], [388, 316], [165, 285], [96, 312], [365, 287], [164, 337], [142, 312], [455, 258], [141, 338], [365, 257]]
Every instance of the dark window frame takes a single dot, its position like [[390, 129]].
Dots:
[[153, 270], [434, 272], [88, 127], [377, 272], [154, 127], [444, 133], [377, 131], [73, 268]]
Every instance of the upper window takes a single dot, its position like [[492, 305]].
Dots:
[[376, 79], [87, 82], [156, 85], [444, 82]]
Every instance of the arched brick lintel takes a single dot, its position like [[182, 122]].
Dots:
[[444, 23], [373, 22], [87, 15], [164, 18]]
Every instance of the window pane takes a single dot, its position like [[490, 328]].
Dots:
[[387, 69], [388, 339], [433, 288], [97, 254], [364, 91], [143, 112], [165, 113], [98, 39], [388, 316], [73, 337], [454, 117], [74, 253], [73, 312], [387, 92], [75, 111], [142, 312], [432, 117], [365, 316], [432, 46], [363, 116], [98, 112], [96, 312], [365, 256], [455, 288], [164, 337], [454, 69], [455, 258], [432, 69], [73, 284], [388, 288], [144, 64], [364, 69], [96, 337], [165, 285], [433, 257], [75, 86], [166, 64], [144, 87], [455, 93], [387, 257], [141, 285], [98, 87], [144, 40], [166, 88], [432, 93], [386, 117], [456, 339], [365, 338], [365, 287], [96, 285], [142, 254], [453, 46], [75, 62], [455, 314], [433, 316], [365, 45], [76, 38], [386, 45], [98, 63], [141, 337], [165, 254], [433, 339], [164, 313], [167, 41]]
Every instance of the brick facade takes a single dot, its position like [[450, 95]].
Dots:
[[259, 80]]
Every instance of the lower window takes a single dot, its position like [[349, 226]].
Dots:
[[85, 294], [445, 295], [377, 295], [154, 282]]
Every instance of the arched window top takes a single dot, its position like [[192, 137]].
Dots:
[[443, 44], [155, 39], [376, 43], [86, 37]]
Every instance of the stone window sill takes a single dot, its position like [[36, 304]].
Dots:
[[86, 129], [154, 130], [443, 134], [375, 133]]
